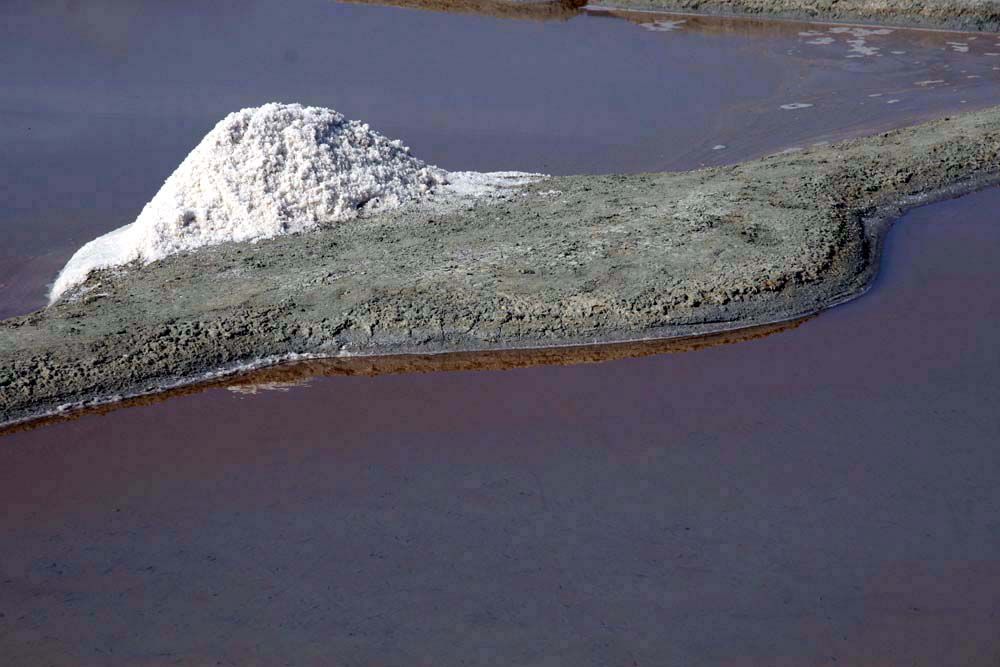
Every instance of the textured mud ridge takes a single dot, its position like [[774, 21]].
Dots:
[[983, 15], [570, 260]]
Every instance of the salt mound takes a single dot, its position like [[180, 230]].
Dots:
[[262, 172]]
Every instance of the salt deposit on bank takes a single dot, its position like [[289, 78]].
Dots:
[[272, 170]]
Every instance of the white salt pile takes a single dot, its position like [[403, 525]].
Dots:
[[271, 170]]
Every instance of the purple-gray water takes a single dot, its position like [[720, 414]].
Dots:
[[827, 495]]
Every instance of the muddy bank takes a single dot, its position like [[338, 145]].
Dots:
[[983, 15], [570, 260]]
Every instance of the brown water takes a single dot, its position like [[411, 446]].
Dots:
[[825, 495]]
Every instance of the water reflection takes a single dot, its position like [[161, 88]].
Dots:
[[282, 377]]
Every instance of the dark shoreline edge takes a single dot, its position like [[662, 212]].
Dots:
[[824, 213]]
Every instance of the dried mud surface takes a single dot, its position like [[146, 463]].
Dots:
[[568, 261]]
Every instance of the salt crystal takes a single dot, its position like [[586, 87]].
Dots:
[[272, 170]]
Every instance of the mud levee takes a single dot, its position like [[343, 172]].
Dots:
[[979, 15], [570, 260]]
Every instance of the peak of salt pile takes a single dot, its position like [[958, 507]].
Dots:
[[262, 172], [277, 169]]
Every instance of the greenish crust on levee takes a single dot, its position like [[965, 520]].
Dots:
[[567, 260], [981, 15]]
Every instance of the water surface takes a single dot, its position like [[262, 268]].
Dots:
[[827, 495]]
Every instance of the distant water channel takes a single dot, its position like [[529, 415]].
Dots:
[[827, 495]]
